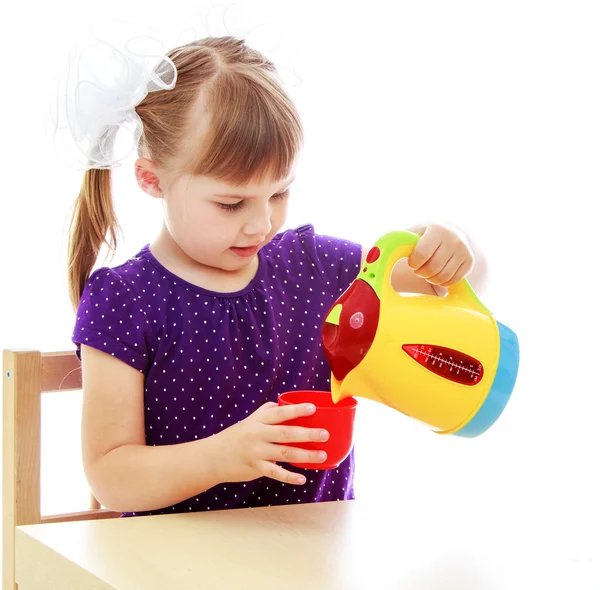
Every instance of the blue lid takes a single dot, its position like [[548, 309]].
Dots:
[[501, 389]]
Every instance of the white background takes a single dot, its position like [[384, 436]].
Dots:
[[486, 114]]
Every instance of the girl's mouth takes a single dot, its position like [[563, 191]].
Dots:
[[245, 252]]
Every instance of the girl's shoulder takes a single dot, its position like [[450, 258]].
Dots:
[[304, 238], [301, 251], [133, 276], [120, 311]]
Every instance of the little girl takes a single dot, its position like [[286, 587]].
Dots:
[[186, 346]]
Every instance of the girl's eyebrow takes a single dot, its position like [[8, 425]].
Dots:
[[234, 196]]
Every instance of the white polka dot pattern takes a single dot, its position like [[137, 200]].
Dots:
[[210, 359]]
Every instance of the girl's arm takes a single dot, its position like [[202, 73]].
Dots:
[[127, 476]]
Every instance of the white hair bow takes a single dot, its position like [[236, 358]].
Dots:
[[96, 98]]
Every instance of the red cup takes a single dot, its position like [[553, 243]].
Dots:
[[337, 419]]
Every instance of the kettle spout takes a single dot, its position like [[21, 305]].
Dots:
[[336, 390], [356, 384]]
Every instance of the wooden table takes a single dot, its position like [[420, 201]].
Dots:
[[332, 546]]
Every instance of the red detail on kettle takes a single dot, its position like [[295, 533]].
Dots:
[[346, 344], [446, 362], [373, 254]]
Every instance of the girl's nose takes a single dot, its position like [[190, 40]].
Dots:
[[259, 223]]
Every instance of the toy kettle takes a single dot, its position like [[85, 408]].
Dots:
[[444, 361]]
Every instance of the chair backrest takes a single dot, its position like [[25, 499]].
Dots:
[[26, 375]]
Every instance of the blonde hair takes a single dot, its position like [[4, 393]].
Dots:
[[253, 132]]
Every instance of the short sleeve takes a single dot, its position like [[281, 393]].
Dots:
[[111, 319], [337, 260]]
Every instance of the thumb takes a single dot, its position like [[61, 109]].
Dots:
[[439, 290]]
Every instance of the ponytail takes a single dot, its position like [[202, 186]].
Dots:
[[93, 224]]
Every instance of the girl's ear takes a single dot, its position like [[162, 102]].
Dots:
[[147, 178]]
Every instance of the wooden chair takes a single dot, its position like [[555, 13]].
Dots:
[[26, 375]]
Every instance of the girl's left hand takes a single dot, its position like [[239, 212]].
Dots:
[[442, 256]]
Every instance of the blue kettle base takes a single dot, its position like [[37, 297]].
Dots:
[[501, 389]]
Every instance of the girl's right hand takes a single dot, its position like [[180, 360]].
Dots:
[[250, 448]]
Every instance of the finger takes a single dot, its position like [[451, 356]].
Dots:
[[289, 454], [278, 414], [436, 263], [296, 434], [461, 272], [278, 473], [447, 272], [426, 247], [268, 405]]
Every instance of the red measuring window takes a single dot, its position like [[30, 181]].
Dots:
[[446, 362]]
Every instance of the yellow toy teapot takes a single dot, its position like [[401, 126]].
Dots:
[[444, 361]]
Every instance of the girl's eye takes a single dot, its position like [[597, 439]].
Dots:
[[233, 207], [283, 195], [240, 204]]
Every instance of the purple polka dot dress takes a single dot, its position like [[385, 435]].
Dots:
[[211, 359]]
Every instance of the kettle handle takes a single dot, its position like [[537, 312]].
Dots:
[[392, 247]]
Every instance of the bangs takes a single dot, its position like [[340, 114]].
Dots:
[[254, 131]]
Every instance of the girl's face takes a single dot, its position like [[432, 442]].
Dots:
[[221, 225]]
